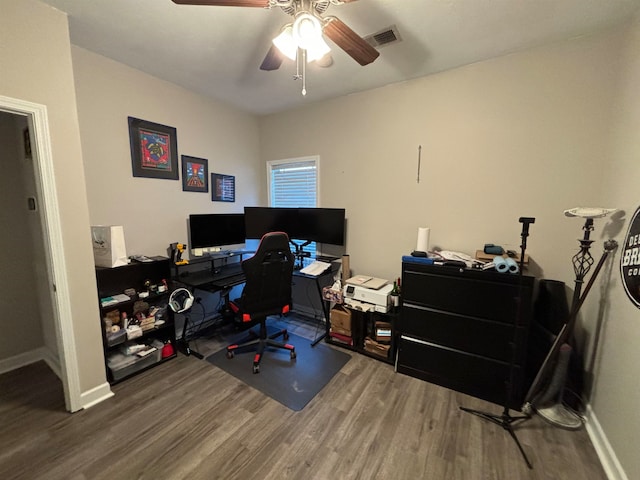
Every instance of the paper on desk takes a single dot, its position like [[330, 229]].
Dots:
[[316, 268]]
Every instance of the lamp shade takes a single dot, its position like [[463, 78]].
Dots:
[[285, 42], [317, 50], [306, 30], [288, 42]]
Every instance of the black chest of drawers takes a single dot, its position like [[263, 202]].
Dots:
[[459, 328]]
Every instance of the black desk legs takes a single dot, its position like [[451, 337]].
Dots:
[[324, 312], [184, 342]]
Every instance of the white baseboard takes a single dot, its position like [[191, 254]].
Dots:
[[96, 395], [53, 361], [22, 360], [88, 398], [607, 456]]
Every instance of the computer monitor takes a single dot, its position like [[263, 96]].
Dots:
[[321, 225], [261, 220], [216, 230]]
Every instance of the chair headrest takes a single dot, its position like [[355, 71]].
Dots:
[[273, 241]]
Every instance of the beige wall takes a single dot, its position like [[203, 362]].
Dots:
[[521, 135], [20, 320], [35, 60], [616, 321], [529, 134], [154, 212]]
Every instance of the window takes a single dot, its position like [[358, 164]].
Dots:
[[293, 183]]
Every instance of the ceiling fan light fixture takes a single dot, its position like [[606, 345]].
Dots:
[[317, 50], [286, 43], [307, 30], [325, 61]]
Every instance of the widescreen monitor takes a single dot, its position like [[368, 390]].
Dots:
[[261, 220], [216, 230], [321, 225]]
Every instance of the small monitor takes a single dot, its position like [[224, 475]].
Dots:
[[216, 230], [322, 225]]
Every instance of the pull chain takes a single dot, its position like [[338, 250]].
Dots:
[[304, 72]]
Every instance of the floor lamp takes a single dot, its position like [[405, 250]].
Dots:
[[556, 413]]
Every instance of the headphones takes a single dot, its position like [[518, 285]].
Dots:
[[180, 300]]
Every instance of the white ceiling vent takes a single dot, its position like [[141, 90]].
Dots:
[[384, 37]]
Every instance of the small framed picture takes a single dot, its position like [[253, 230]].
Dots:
[[195, 174], [223, 188], [154, 149]]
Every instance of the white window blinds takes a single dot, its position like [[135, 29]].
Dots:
[[293, 183]]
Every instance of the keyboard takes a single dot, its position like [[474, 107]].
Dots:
[[198, 278], [228, 271], [228, 281]]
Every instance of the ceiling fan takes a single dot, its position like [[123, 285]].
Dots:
[[308, 20]]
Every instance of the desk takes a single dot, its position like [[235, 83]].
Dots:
[[214, 273], [221, 272], [316, 302], [201, 271]]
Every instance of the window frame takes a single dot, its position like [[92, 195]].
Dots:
[[312, 247], [274, 163]]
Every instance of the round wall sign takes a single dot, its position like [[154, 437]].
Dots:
[[630, 260]]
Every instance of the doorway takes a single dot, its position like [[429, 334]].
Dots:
[[36, 288]]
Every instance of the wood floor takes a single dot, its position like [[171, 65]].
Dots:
[[188, 419]]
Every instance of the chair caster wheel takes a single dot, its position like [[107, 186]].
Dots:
[[293, 354], [285, 336], [229, 354], [256, 369]]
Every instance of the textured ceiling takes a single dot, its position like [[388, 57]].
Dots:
[[217, 51]]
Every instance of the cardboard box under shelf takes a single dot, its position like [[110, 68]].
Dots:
[[383, 332], [379, 349], [339, 338], [339, 330], [340, 319]]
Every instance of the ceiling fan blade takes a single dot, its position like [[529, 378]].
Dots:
[[225, 3], [272, 60], [348, 40]]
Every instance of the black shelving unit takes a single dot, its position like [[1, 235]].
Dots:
[[363, 328], [142, 277]]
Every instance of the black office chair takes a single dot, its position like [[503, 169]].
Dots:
[[267, 291]]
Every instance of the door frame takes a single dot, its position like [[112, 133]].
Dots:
[[52, 242]]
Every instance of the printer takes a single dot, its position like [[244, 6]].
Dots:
[[368, 299]]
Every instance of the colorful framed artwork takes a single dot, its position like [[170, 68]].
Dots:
[[223, 188], [195, 174], [154, 149]]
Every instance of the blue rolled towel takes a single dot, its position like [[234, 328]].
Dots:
[[512, 265], [500, 264]]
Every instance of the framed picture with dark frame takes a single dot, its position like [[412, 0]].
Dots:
[[195, 174], [223, 188], [154, 149]]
